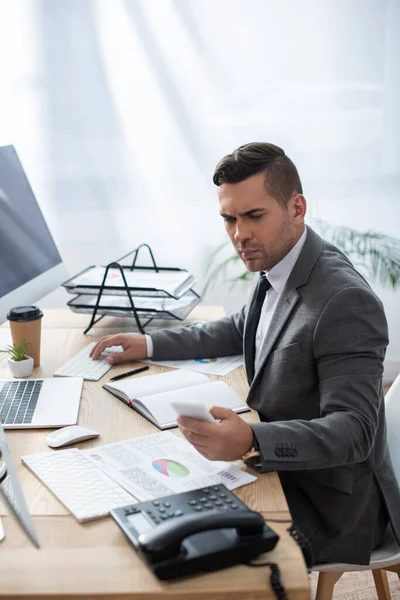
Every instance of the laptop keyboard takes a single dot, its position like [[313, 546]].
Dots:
[[18, 400]]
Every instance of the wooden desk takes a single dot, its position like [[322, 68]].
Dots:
[[94, 560]]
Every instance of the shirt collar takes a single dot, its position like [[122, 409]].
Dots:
[[279, 274]]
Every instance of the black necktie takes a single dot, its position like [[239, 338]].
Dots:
[[252, 323]]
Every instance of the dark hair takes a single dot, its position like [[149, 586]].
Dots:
[[281, 176]]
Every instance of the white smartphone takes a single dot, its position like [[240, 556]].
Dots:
[[194, 410]]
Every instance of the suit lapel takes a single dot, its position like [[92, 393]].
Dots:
[[283, 310], [300, 274]]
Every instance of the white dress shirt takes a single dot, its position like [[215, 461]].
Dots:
[[277, 276], [150, 347]]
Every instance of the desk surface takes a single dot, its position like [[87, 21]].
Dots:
[[94, 560]]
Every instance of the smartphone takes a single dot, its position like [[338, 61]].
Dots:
[[194, 410]]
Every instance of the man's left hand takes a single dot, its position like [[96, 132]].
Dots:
[[229, 439]]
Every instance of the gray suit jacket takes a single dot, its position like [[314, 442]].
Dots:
[[318, 391]]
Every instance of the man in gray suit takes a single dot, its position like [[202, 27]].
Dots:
[[314, 337]]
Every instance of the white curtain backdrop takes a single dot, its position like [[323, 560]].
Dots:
[[120, 109]]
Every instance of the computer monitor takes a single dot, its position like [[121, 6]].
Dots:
[[30, 264], [11, 492]]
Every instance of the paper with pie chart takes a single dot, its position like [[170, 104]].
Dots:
[[209, 366], [162, 464]]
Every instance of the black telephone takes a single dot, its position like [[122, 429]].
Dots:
[[201, 530]]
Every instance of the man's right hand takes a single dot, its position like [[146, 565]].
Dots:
[[133, 344]]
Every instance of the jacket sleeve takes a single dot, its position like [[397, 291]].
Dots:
[[349, 345], [223, 337]]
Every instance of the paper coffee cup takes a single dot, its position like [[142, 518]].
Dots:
[[26, 325]]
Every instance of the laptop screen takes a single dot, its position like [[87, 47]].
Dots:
[[11, 492]]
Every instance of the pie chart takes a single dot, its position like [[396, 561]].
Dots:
[[205, 361], [170, 468]]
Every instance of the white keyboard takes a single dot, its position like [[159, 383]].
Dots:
[[81, 487], [81, 365]]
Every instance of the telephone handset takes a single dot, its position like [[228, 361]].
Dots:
[[191, 532], [166, 540]]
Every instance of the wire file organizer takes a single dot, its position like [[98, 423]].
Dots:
[[142, 292]]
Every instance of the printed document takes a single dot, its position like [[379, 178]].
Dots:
[[161, 464], [164, 282], [209, 366]]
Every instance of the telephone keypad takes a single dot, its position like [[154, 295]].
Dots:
[[217, 498], [131, 510]]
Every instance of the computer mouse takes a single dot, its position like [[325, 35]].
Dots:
[[70, 435]]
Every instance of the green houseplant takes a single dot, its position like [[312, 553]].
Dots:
[[375, 255], [21, 365]]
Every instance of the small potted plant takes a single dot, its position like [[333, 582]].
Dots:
[[21, 365]]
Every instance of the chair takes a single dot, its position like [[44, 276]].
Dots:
[[387, 557]]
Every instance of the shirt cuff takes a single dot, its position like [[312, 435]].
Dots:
[[149, 344]]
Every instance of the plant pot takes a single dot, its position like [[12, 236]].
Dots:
[[21, 368]]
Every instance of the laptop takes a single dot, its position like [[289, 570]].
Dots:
[[11, 492], [39, 403]]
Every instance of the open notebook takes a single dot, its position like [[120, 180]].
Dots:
[[151, 395]]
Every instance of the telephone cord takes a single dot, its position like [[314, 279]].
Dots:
[[306, 547]]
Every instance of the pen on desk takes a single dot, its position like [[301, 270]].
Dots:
[[140, 370]]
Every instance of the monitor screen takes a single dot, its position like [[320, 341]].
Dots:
[[29, 260]]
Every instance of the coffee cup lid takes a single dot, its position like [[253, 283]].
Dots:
[[24, 313]]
